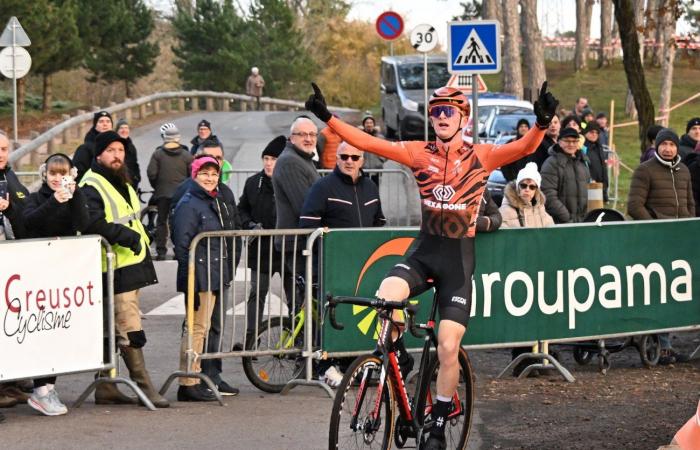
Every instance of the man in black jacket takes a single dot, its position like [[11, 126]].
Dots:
[[550, 139], [85, 153], [204, 134], [597, 159], [13, 195]]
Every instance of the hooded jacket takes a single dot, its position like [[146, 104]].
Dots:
[[661, 190], [565, 185], [256, 208], [687, 146], [85, 153], [597, 165], [517, 213], [167, 169]]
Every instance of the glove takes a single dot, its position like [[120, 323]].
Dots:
[[317, 104], [545, 107], [132, 241]]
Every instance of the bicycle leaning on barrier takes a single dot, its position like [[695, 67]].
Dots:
[[364, 410]]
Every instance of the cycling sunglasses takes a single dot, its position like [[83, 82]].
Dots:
[[435, 111], [532, 187], [353, 157]]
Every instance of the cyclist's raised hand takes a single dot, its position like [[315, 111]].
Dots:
[[317, 104], [545, 107]]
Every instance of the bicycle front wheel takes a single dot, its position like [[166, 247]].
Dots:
[[359, 419], [460, 418]]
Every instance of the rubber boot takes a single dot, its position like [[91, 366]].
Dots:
[[133, 357], [109, 394]]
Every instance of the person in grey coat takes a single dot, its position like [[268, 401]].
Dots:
[[565, 178], [169, 166]]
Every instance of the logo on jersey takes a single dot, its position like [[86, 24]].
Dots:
[[460, 300], [443, 193]]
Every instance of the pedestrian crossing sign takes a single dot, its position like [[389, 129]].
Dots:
[[474, 47]]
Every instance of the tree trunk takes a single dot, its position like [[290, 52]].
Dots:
[[651, 30], [605, 52], [667, 22], [639, 24], [512, 71], [533, 47], [491, 10], [47, 94], [624, 15], [127, 89], [580, 62]]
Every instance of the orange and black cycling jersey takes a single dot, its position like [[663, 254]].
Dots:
[[451, 179]]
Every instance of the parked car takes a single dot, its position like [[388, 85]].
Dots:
[[504, 125], [492, 106]]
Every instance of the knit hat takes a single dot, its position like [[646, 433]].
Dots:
[[368, 115], [529, 172], [199, 163], [652, 131], [586, 111], [203, 123], [103, 140], [275, 147], [567, 133], [591, 126], [121, 122], [522, 121], [691, 123], [666, 134], [100, 114]]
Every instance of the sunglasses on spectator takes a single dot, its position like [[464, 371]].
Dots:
[[311, 135], [524, 186], [448, 110], [353, 157]]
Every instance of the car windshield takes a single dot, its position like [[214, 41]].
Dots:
[[411, 75], [507, 124]]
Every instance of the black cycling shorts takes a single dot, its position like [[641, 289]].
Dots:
[[449, 263]]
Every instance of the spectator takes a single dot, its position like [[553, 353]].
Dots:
[[581, 104], [602, 121], [571, 121], [510, 171], [328, 143], [204, 133], [565, 179], [549, 140], [257, 210], [372, 161], [85, 153], [254, 86], [200, 210], [649, 153], [489, 217], [692, 161], [597, 159], [661, 189], [110, 197], [132, 157], [691, 138], [57, 209], [13, 196], [169, 166], [587, 117]]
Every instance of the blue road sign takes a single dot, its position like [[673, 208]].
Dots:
[[474, 47], [389, 25]]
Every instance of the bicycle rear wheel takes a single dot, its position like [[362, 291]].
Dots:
[[352, 424], [270, 373], [460, 418]]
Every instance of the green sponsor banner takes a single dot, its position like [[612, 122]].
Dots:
[[535, 284]]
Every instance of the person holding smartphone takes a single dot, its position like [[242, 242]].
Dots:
[[12, 196]]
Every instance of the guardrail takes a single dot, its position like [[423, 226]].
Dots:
[[162, 102]]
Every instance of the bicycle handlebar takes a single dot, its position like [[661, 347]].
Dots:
[[141, 193], [377, 303]]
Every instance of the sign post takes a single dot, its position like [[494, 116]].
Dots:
[[424, 39], [474, 47], [14, 60], [389, 26]]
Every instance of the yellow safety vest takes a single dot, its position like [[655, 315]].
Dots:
[[118, 210]]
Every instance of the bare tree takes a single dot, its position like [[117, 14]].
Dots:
[[668, 15], [584, 9], [512, 41], [533, 47], [492, 10], [638, 14], [634, 70], [653, 30], [605, 52]]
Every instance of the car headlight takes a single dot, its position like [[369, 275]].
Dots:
[[410, 105]]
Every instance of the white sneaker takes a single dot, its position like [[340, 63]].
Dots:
[[49, 405], [333, 377]]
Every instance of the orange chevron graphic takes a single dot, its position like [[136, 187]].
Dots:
[[394, 247]]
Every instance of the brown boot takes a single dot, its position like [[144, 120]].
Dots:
[[7, 402], [133, 357], [12, 391], [109, 394]]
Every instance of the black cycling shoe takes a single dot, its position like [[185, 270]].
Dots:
[[196, 393], [434, 443]]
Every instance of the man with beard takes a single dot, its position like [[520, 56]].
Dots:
[[82, 158], [113, 207]]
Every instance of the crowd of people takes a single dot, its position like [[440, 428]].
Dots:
[[548, 167]]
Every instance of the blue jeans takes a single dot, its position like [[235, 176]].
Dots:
[[665, 340]]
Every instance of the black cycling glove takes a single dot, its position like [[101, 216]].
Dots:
[[317, 104], [545, 107]]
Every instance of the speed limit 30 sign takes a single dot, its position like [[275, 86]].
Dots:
[[424, 38]]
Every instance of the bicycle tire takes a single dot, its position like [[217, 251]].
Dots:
[[341, 434], [456, 436], [270, 373]]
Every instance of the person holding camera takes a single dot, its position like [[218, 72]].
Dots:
[[56, 209]]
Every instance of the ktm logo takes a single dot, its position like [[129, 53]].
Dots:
[[443, 193]]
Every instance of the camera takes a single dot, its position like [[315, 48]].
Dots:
[[66, 181]]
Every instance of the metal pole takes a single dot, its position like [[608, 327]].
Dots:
[[425, 96], [391, 48], [14, 86], [475, 109]]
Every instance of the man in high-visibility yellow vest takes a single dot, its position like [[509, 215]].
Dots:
[[114, 213]]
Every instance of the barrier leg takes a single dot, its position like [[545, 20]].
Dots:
[[543, 356], [202, 377], [117, 380]]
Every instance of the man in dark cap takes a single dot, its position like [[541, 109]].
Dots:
[[113, 207], [204, 134], [597, 159], [82, 158], [690, 139], [661, 189]]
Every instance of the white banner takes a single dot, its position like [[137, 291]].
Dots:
[[51, 307]]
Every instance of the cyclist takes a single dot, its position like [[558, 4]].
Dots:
[[451, 175]]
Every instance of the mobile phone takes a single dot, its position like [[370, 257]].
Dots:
[[66, 180], [3, 189]]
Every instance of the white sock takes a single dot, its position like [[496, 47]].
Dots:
[[440, 398], [42, 391]]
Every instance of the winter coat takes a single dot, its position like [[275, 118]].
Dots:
[[661, 190], [597, 165], [256, 209], [565, 185], [692, 161], [254, 85], [167, 169], [85, 153], [335, 201], [647, 155], [197, 142], [18, 198], [687, 146], [328, 143], [44, 216], [131, 159], [127, 278], [488, 208], [542, 152], [196, 212], [516, 213], [373, 161], [293, 176]]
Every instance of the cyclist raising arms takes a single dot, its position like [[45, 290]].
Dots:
[[451, 176]]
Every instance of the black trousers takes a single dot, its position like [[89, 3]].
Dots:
[[163, 204]]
